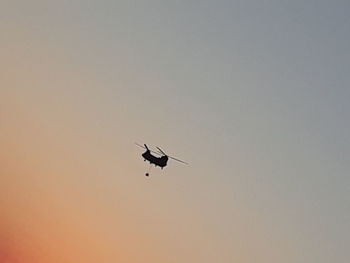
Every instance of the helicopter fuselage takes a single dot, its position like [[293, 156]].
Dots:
[[157, 161]]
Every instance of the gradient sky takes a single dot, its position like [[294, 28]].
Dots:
[[253, 94]]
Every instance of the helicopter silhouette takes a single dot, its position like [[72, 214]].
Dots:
[[157, 161]]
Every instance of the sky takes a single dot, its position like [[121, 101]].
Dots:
[[253, 94]]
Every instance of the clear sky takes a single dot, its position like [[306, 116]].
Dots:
[[253, 94]]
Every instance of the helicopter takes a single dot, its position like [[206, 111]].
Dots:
[[153, 159]]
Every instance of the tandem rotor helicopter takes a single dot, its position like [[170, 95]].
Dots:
[[160, 161]]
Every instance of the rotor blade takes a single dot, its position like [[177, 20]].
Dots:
[[161, 151], [139, 145], [177, 160], [156, 153], [143, 147]]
